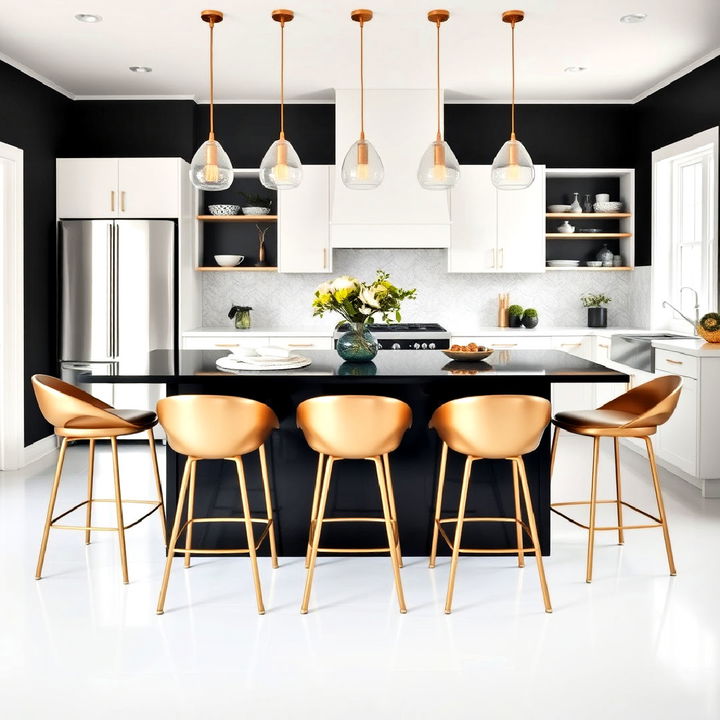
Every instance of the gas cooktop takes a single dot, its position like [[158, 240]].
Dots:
[[405, 336]]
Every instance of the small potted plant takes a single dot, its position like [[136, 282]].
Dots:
[[597, 314], [515, 313], [530, 318], [256, 204]]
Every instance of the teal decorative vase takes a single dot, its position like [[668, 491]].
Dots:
[[357, 345], [364, 369]]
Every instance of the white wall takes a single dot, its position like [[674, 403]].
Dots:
[[459, 302]]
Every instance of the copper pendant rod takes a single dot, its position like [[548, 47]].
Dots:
[[282, 79], [439, 136], [362, 83], [211, 17], [512, 111]]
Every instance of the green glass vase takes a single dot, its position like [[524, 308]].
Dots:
[[357, 345]]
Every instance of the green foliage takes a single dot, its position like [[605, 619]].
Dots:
[[515, 310], [589, 300], [530, 312], [257, 200], [710, 322]]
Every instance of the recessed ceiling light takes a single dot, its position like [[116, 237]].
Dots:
[[140, 69], [633, 18], [575, 69], [88, 18]]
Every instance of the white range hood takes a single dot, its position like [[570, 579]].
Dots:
[[399, 213]]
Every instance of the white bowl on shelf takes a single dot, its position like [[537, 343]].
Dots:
[[224, 209], [563, 263], [252, 210], [608, 207], [228, 260], [558, 208], [594, 263]]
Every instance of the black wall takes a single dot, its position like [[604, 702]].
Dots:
[[32, 117], [687, 106]]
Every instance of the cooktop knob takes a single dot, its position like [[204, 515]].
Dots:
[[396, 346], [416, 346], [424, 346], [431, 346]]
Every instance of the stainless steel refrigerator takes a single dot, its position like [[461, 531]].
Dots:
[[117, 290]]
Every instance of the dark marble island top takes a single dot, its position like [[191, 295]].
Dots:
[[166, 366]]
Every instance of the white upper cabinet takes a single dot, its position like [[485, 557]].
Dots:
[[87, 187], [303, 223], [119, 187], [497, 230], [149, 187]]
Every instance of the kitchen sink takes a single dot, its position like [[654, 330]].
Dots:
[[637, 350]]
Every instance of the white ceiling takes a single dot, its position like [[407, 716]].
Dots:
[[624, 60]]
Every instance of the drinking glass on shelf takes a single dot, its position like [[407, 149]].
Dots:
[[587, 204]]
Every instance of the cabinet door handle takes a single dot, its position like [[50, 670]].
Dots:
[[493, 258], [300, 344], [674, 362], [227, 344], [325, 258], [112, 201], [122, 201], [602, 345], [504, 345], [570, 344], [501, 257]]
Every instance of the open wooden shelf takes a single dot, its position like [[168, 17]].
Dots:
[[238, 218], [583, 235], [236, 269], [584, 267], [595, 216]]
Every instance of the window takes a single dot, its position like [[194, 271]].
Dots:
[[685, 251]]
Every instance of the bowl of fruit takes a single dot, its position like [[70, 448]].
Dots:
[[472, 352]]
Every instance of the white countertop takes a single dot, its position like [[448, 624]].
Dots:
[[696, 347], [257, 332]]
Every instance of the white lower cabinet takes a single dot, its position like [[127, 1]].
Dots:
[[229, 343], [677, 440]]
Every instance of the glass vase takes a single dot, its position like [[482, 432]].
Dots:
[[242, 320], [357, 345]]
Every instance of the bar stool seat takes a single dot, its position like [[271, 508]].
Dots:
[[214, 427], [77, 415], [501, 427], [353, 427], [637, 413]]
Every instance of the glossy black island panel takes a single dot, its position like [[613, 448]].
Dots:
[[423, 379]]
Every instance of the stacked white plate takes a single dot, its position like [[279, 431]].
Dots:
[[256, 362], [563, 263]]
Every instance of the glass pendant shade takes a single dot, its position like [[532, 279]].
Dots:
[[439, 168], [512, 168], [280, 169], [211, 168], [362, 168]]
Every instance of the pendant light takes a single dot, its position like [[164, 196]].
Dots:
[[512, 168], [362, 168], [439, 168], [211, 168], [280, 169]]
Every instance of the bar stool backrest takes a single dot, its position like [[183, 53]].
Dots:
[[65, 406], [492, 426], [353, 426], [215, 426], [652, 402]]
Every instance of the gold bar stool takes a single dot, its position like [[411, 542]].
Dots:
[[637, 413], [214, 427], [501, 427], [76, 415], [353, 427]]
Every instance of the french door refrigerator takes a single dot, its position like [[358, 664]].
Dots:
[[117, 290]]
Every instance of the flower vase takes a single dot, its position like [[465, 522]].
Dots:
[[357, 345]]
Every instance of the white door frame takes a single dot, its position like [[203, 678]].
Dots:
[[12, 371]]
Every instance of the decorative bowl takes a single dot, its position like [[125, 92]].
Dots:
[[224, 209], [558, 208], [594, 263], [228, 260], [711, 336], [608, 207], [470, 356], [252, 210]]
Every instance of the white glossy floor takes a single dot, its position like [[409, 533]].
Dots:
[[634, 644]]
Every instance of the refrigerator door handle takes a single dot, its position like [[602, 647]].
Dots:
[[116, 291], [111, 273]]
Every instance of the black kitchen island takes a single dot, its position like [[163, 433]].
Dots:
[[424, 380]]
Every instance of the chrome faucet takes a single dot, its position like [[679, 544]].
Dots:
[[695, 322]]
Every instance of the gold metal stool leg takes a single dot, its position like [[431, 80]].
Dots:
[[390, 530], [250, 535], [438, 504], [158, 484], [174, 536], [391, 503], [190, 513], [556, 435], [660, 504], [518, 517], [519, 465], [51, 508], [119, 511], [618, 492], [316, 534], [268, 504], [88, 507], [314, 510], [593, 506], [458, 534]]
